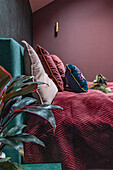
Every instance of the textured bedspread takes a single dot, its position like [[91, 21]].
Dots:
[[84, 133]]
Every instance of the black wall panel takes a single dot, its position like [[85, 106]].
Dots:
[[16, 20]]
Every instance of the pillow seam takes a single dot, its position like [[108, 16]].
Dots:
[[31, 60]]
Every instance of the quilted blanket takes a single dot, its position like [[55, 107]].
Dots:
[[84, 133]]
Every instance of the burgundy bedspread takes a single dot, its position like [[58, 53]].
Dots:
[[84, 133]]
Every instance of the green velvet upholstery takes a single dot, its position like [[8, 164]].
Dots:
[[45, 166], [11, 58]]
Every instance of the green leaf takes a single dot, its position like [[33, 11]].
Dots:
[[44, 113], [11, 82], [17, 165], [32, 87], [15, 81], [23, 79], [20, 85], [22, 103], [16, 141], [7, 107], [13, 131], [7, 166], [5, 159], [12, 141], [28, 138], [4, 78], [49, 106]]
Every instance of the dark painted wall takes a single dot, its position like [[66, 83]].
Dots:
[[85, 34], [16, 20]]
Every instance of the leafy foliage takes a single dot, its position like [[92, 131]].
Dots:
[[6, 164], [13, 103]]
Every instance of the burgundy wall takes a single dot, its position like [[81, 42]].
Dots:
[[85, 34]]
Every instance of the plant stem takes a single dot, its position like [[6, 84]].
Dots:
[[7, 122]]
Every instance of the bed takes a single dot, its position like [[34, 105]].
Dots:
[[84, 128], [84, 133]]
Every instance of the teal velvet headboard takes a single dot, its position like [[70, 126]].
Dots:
[[11, 58]]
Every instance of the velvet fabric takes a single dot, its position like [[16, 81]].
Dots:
[[33, 66], [46, 166], [59, 64], [84, 132], [75, 79], [50, 67], [11, 58]]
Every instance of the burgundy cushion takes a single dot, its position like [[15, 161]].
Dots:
[[59, 64], [50, 67]]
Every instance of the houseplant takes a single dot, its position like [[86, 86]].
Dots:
[[12, 103]]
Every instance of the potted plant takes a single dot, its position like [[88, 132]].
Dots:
[[12, 103]]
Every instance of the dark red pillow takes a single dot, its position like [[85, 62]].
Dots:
[[59, 64], [50, 67]]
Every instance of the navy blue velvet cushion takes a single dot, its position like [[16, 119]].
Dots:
[[75, 79]]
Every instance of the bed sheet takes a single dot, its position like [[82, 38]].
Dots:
[[84, 134]]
